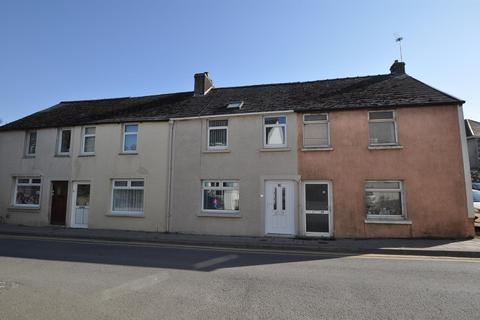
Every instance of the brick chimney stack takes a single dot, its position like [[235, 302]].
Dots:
[[202, 84], [397, 67]]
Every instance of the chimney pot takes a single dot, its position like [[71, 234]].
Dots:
[[202, 84], [397, 67]]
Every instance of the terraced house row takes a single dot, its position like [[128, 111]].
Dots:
[[361, 157]]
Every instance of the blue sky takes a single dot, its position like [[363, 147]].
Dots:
[[71, 50]]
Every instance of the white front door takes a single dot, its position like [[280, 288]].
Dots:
[[318, 208], [81, 204], [279, 207]]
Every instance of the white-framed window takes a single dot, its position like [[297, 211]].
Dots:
[[64, 140], [222, 196], [127, 196], [31, 143], [316, 130], [27, 192], [217, 134], [88, 140], [275, 132], [382, 128], [384, 200], [130, 137]]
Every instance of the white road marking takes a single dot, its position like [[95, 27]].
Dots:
[[134, 285], [214, 261]]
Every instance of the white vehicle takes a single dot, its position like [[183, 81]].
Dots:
[[476, 206]]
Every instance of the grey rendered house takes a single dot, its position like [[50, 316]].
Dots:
[[472, 129], [252, 160]]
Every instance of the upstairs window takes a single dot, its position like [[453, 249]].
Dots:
[[88, 140], [275, 132], [221, 196], [382, 128], [27, 192], [127, 196], [31, 143], [64, 138], [316, 131], [384, 199], [217, 134], [130, 135], [235, 105]]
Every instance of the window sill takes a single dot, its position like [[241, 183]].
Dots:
[[378, 221], [87, 155], [23, 209], [318, 149], [279, 149], [128, 153], [385, 147], [28, 157], [217, 151], [219, 214], [62, 155], [126, 214]]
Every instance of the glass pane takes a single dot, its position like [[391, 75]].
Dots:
[[382, 185], [315, 134], [89, 144], [275, 135], [275, 198], [230, 184], [128, 200], [131, 128], [284, 200], [121, 183], [83, 195], [218, 137], [381, 115], [315, 117], [316, 196], [130, 142], [32, 142], [236, 104], [317, 222], [28, 195], [37, 181], [65, 141], [383, 203], [90, 130], [213, 200], [275, 120], [23, 180], [382, 132], [137, 183], [217, 123]]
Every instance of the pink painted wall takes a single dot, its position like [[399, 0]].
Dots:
[[430, 165]]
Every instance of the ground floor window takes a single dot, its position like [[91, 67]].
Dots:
[[27, 192], [384, 200], [127, 196], [220, 196]]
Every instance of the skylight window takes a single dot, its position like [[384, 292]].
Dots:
[[235, 105]]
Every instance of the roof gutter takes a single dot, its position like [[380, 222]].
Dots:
[[231, 115]]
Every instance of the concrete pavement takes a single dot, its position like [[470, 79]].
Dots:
[[432, 247], [90, 279]]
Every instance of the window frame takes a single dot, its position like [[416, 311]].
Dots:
[[211, 211], [128, 187], [84, 136], [376, 217], [395, 127], [15, 191], [125, 133], [265, 126], [328, 145], [27, 143], [217, 128], [59, 141]]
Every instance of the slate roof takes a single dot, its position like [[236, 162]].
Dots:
[[378, 91], [472, 128]]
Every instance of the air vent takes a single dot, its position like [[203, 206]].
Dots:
[[235, 105]]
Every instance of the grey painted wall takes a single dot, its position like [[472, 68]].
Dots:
[[245, 161], [151, 164], [473, 143]]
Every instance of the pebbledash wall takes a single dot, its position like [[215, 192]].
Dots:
[[150, 163], [430, 163], [245, 161]]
